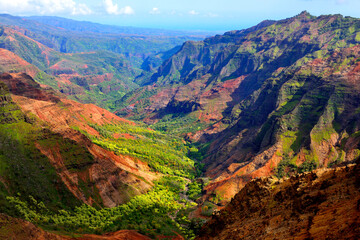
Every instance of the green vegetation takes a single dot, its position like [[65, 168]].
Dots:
[[357, 37], [194, 190], [179, 124], [285, 167], [207, 208], [23, 168], [150, 214], [163, 153], [173, 183], [43, 78], [288, 167]]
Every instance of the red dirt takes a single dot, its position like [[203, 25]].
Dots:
[[120, 235], [123, 135], [10, 61]]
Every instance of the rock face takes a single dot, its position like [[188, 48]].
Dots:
[[279, 98], [306, 120], [92, 174], [322, 204]]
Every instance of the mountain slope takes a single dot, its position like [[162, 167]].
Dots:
[[278, 98], [46, 130], [203, 68], [37, 177]]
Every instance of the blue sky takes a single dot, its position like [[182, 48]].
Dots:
[[219, 15]]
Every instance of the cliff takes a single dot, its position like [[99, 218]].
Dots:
[[322, 204]]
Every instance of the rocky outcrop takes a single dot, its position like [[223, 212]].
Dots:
[[322, 204], [22, 84]]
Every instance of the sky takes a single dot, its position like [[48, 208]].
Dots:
[[211, 15]]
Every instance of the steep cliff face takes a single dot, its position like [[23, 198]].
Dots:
[[297, 121], [228, 68], [198, 73], [279, 98], [322, 204], [45, 127]]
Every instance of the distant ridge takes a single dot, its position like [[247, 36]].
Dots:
[[87, 26]]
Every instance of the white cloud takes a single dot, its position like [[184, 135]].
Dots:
[[193, 12], [154, 10], [44, 7], [112, 8], [127, 10]]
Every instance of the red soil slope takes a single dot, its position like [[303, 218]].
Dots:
[[110, 174]]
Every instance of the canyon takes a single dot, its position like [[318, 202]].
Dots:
[[259, 128]]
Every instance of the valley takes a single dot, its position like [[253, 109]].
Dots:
[[128, 133]]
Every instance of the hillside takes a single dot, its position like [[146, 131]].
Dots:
[[40, 126], [62, 161], [322, 204], [278, 98]]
